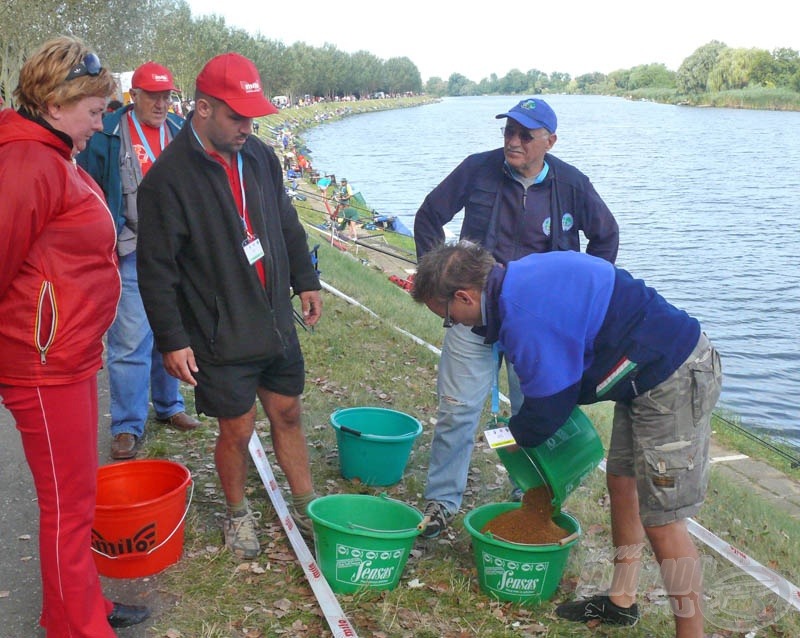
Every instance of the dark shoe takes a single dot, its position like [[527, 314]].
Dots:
[[241, 536], [303, 523], [438, 519], [124, 446], [181, 421], [126, 615], [599, 608]]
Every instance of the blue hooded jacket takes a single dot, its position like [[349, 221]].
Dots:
[[578, 330]]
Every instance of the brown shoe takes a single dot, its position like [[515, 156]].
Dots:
[[181, 421], [124, 446]]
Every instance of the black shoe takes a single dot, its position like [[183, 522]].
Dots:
[[438, 518], [126, 615], [599, 608]]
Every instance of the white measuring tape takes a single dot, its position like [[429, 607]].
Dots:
[[337, 621], [764, 575]]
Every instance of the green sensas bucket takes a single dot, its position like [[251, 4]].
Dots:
[[374, 443], [562, 462], [526, 574], [362, 541]]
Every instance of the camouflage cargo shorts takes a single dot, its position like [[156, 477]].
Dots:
[[662, 438]]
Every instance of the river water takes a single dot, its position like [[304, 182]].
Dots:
[[707, 200]]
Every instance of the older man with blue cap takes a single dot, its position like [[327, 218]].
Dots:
[[517, 199]]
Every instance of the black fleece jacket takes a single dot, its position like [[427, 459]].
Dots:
[[196, 283]]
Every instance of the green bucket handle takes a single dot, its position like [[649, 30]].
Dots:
[[561, 543], [418, 528]]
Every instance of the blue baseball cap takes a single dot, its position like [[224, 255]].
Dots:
[[533, 113]]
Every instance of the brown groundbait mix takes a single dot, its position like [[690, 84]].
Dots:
[[531, 524]]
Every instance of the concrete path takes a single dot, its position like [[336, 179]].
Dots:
[[20, 585], [756, 476]]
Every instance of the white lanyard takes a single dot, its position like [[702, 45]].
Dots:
[[161, 136], [244, 201]]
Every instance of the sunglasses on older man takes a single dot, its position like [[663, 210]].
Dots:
[[524, 135], [89, 66]]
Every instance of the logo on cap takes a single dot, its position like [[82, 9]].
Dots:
[[251, 87], [528, 104]]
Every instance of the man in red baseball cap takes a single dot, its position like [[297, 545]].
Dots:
[[234, 80], [118, 157], [222, 247]]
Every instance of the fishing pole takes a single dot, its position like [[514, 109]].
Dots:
[[793, 460]]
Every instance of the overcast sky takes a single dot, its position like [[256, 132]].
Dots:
[[573, 36]]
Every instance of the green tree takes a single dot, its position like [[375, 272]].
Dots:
[[651, 76], [537, 81], [514, 83], [558, 82], [300, 57], [436, 86], [692, 75], [402, 75], [787, 65], [458, 84], [620, 80], [590, 82], [273, 65], [732, 70], [367, 70]]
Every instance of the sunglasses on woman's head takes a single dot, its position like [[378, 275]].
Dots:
[[90, 66]]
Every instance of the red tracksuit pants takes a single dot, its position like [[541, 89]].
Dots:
[[58, 425]]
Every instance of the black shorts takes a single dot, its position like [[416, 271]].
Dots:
[[229, 391]]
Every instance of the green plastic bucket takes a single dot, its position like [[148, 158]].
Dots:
[[562, 462], [374, 443], [526, 574], [362, 541]]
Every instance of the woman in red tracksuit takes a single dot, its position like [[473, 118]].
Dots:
[[59, 288]]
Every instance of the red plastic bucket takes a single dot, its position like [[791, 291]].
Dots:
[[139, 517]]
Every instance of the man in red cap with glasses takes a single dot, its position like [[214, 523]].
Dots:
[[221, 248], [118, 158]]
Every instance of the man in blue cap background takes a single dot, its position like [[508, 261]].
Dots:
[[517, 199]]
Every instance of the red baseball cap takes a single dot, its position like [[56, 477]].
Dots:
[[153, 77], [234, 79]]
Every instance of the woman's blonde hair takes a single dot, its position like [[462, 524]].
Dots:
[[42, 79]]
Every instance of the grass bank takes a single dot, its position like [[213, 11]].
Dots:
[[299, 118], [758, 98], [355, 359]]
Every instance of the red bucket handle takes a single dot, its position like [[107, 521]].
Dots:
[[139, 555]]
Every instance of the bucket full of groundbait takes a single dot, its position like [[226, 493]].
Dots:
[[139, 517], [362, 541], [518, 572], [374, 443], [562, 462]]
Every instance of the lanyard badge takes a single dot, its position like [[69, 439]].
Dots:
[[252, 249]]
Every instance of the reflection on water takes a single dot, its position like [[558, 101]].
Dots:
[[707, 201]]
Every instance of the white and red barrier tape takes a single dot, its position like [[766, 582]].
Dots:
[[337, 621], [764, 575], [775, 582]]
